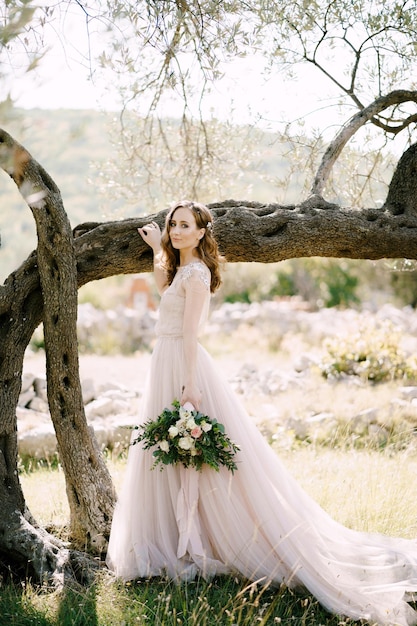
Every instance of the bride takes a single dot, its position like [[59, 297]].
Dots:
[[256, 522]]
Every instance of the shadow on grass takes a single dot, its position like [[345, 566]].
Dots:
[[18, 609], [77, 606]]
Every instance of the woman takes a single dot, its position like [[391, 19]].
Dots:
[[257, 522]]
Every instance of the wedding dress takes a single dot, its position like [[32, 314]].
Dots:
[[257, 522]]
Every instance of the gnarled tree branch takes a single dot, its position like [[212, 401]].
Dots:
[[356, 122]]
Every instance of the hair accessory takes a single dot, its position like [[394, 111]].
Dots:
[[209, 226]]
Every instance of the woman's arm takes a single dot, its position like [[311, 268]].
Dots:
[[151, 234], [195, 300]]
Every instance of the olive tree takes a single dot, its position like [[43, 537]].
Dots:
[[44, 287]]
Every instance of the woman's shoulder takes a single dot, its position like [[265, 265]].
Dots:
[[195, 271]]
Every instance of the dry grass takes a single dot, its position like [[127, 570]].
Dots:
[[363, 489], [366, 490]]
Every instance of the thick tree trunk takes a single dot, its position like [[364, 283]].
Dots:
[[89, 487], [25, 548], [90, 491], [402, 195], [266, 233]]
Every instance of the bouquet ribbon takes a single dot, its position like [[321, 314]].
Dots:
[[187, 514]]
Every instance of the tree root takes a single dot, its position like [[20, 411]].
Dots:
[[31, 552]]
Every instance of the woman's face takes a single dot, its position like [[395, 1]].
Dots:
[[183, 231]]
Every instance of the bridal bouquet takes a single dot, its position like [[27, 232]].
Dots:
[[184, 435]]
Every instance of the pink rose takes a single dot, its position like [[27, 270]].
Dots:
[[196, 432]]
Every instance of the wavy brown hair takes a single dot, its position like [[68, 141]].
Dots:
[[207, 249]]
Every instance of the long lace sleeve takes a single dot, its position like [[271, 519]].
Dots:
[[196, 285]]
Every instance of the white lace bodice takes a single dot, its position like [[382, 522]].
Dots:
[[192, 282]]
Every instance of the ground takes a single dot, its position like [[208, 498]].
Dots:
[[129, 371]]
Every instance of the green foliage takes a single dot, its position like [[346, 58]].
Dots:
[[362, 51], [28, 464], [61, 141], [321, 282], [284, 284], [206, 163], [341, 286], [187, 437], [372, 353], [403, 280], [241, 296]]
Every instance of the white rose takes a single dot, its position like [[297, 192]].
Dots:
[[164, 445], [184, 413], [185, 443], [173, 431], [205, 426], [190, 424]]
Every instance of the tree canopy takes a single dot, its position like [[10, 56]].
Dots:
[[170, 55]]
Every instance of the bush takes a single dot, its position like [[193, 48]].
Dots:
[[404, 282], [372, 353], [322, 282]]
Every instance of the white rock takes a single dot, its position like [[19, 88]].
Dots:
[[304, 362], [39, 442], [369, 416], [88, 390], [298, 427], [39, 386], [99, 542], [26, 397], [27, 382], [320, 417], [110, 386], [28, 419], [378, 431], [99, 408], [38, 404], [116, 394], [409, 393], [102, 434]]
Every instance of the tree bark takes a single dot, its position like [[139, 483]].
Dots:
[[266, 233], [90, 492], [370, 112], [402, 194]]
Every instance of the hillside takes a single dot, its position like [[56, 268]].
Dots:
[[71, 145], [64, 143]]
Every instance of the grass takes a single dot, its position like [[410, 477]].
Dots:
[[365, 489], [223, 601]]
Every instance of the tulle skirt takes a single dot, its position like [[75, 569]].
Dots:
[[258, 522]]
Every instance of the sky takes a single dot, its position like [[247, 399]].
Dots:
[[63, 80], [270, 102], [60, 82]]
